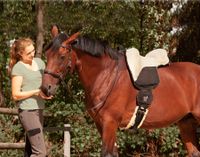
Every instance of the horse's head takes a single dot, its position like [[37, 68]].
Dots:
[[60, 60]]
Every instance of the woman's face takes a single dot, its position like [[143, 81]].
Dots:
[[28, 54]]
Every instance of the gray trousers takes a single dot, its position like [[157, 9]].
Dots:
[[32, 122]]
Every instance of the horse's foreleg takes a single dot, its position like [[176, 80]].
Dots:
[[188, 126], [109, 148]]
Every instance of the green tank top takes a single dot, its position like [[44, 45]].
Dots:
[[31, 80]]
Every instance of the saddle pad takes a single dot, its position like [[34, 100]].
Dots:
[[136, 62]]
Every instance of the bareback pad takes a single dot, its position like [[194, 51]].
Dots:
[[143, 71]]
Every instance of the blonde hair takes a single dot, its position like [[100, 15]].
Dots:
[[16, 50]]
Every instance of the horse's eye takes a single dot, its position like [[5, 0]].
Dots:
[[70, 49], [62, 57]]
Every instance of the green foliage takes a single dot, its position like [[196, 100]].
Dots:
[[115, 22], [10, 153], [17, 19], [155, 26], [10, 131], [188, 19], [128, 23], [70, 108], [156, 142], [170, 139], [23, 21]]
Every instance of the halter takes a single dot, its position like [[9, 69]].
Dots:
[[60, 76]]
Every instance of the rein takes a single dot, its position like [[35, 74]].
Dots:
[[95, 110]]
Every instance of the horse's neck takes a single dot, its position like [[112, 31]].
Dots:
[[91, 68], [97, 75]]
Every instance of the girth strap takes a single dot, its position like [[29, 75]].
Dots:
[[147, 80]]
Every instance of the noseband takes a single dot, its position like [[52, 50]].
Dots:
[[53, 74]]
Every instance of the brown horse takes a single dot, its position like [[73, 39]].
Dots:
[[111, 96]]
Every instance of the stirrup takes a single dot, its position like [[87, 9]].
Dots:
[[140, 117]]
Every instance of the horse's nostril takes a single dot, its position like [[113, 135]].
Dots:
[[49, 87]]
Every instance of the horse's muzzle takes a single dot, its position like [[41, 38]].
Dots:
[[48, 89]]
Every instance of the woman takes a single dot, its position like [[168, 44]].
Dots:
[[26, 74]]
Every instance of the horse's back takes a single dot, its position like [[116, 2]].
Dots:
[[183, 74], [182, 67], [176, 95]]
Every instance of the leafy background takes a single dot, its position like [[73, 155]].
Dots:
[[144, 25]]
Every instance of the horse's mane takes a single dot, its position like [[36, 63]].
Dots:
[[87, 45], [95, 47]]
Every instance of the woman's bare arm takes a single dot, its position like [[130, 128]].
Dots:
[[17, 94]]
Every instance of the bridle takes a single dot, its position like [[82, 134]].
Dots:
[[58, 76], [71, 62], [61, 76]]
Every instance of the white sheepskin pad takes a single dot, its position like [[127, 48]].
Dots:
[[136, 62]]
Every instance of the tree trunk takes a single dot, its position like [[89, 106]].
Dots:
[[1, 91], [40, 37], [1, 99]]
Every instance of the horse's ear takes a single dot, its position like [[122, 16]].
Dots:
[[54, 31], [73, 38]]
